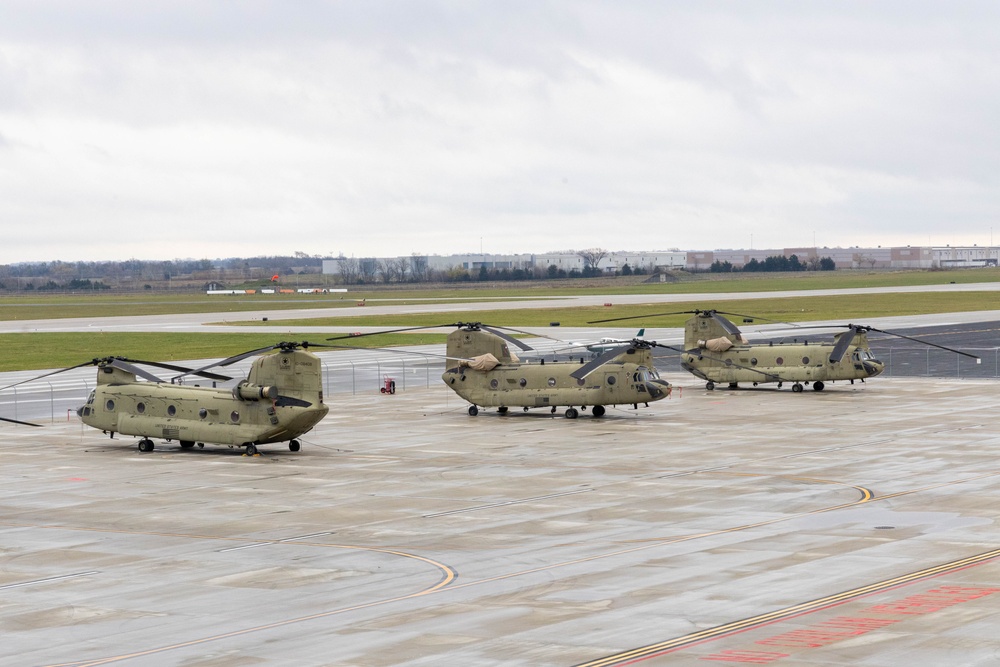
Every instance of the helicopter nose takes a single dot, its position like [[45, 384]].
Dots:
[[657, 388], [874, 367]]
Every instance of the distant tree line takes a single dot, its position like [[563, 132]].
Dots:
[[138, 274], [776, 263]]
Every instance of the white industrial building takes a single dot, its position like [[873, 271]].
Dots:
[[908, 257]]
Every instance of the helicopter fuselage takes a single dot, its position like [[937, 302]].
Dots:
[[629, 378], [781, 362], [280, 400]]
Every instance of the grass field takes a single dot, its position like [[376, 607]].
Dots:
[[847, 307], [40, 305], [50, 350]]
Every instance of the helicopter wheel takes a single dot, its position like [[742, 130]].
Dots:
[[294, 446], [145, 445], [251, 449], [502, 409], [710, 385], [797, 387], [818, 386], [571, 413], [473, 411], [598, 411], [187, 444]]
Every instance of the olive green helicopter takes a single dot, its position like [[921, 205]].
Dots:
[[481, 368], [716, 351], [280, 399]]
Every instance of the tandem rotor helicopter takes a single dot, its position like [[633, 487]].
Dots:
[[716, 351], [481, 369], [280, 399]]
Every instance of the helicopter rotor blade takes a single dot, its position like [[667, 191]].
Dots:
[[92, 362], [397, 351], [506, 337], [174, 367], [473, 325], [917, 340], [635, 317], [389, 331], [843, 343], [601, 359], [228, 361], [17, 421], [135, 370], [728, 326]]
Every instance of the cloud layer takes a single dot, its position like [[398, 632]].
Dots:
[[168, 129]]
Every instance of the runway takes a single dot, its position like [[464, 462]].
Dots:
[[853, 527]]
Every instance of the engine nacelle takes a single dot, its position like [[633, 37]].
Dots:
[[253, 392]]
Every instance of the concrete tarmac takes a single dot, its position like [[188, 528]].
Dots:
[[857, 526]]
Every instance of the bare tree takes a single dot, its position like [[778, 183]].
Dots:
[[368, 269], [349, 270], [418, 267], [387, 269], [592, 259]]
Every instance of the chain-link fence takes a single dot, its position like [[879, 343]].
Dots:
[[59, 398]]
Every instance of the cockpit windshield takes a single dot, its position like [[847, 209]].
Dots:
[[643, 374]]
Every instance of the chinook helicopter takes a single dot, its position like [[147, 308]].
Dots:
[[482, 369], [280, 399], [716, 351]]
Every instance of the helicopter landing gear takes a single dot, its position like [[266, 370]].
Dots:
[[187, 444], [251, 449], [473, 411], [145, 445], [571, 413], [797, 387], [553, 409], [502, 409], [598, 411], [294, 446], [710, 385], [818, 386]]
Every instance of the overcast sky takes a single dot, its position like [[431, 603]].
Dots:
[[171, 129]]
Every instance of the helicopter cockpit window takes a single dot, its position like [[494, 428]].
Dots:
[[110, 405], [611, 379], [90, 399]]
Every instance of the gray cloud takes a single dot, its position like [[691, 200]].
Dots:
[[167, 129]]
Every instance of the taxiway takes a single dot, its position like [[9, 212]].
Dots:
[[854, 527]]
